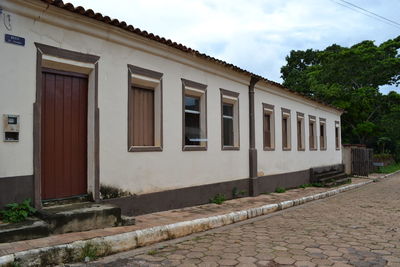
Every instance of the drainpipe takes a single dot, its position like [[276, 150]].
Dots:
[[253, 188]]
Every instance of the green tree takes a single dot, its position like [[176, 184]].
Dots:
[[349, 78]]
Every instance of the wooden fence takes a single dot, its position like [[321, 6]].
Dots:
[[361, 161]]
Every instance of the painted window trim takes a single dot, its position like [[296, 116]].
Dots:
[[301, 116], [313, 118], [287, 113], [135, 70], [339, 144], [322, 121], [236, 118], [269, 109], [202, 89]]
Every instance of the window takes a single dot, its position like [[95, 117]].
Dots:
[[269, 127], [322, 134], [312, 133], [144, 110], [229, 120], [194, 99], [286, 129], [337, 135], [300, 132]]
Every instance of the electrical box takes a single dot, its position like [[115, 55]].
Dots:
[[11, 128]]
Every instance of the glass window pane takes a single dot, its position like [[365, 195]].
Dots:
[[227, 110], [192, 129], [228, 131], [192, 103]]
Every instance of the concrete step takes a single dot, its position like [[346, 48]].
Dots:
[[338, 182], [29, 229], [320, 176], [79, 217], [332, 177]]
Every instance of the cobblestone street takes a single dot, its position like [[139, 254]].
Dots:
[[357, 228]]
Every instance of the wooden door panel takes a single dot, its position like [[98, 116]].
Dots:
[[64, 135]]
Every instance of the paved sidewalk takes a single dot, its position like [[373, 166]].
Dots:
[[357, 228], [167, 217]]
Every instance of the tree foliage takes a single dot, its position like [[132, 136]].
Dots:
[[349, 78]]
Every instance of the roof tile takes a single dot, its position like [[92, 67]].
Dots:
[[123, 25]]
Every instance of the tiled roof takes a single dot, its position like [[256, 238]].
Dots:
[[123, 25]]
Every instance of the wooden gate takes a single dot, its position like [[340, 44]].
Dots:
[[361, 161]]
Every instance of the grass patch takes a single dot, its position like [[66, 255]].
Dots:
[[389, 169], [17, 212], [305, 186], [280, 190], [152, 252], [218, 199], [91, 251], [311, 185]]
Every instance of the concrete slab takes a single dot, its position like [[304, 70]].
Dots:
[[79, 217], [29, 229]]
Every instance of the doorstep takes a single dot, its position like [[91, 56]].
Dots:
[[78, 217], [156, 227]]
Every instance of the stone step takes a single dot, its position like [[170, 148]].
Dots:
[[79, 217]]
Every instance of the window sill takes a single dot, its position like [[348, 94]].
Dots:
[[230, 148], [194, 148], [145, 149], [337, 148], [301, 149], [313, 149], [287, 149], [269, 149], [323, 149]]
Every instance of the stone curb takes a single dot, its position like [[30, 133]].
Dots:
[[386, 176], [139, 238]]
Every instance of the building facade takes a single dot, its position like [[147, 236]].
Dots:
[[89, 102]]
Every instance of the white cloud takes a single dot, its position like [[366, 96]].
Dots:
[[255, 35]]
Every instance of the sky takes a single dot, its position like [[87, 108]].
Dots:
[[256, 35]]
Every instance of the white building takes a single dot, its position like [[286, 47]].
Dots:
[[98, 102]]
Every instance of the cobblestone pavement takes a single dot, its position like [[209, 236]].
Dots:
[[356, 228]]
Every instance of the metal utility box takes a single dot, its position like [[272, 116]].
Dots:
[[11, 128]]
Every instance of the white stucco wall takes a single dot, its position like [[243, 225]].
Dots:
[[280, 161], [142, 172]]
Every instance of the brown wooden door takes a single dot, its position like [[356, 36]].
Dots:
[[64, 134]]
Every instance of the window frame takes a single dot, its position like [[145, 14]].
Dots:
[[338, 137], [313, 119], [190, 88], [322, 122], [301, 146], [151, 80], [269, 109], [230, 97], [286, 113]]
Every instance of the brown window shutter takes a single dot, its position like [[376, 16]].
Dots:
[[299, 135], [312, 145], [284, 133], [267, 131], [142, 117]]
